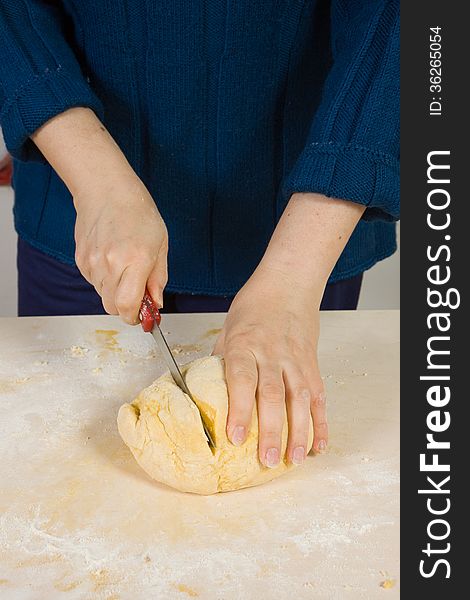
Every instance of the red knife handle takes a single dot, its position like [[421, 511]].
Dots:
[[149, 315]]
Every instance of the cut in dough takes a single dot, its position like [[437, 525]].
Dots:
[[164, 432]]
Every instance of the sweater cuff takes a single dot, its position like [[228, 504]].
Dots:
[[37, 101], [349, 172]]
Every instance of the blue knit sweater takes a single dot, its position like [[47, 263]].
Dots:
[[223, 107]]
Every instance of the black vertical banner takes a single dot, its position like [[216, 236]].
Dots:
[[435, 328]]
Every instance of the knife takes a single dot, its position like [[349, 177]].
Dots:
[[150, 318]]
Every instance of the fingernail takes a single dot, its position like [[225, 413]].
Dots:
[[298, 456], [238, 435], [322, 446], [272, 458]]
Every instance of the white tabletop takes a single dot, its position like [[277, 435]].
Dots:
[[79, 519]]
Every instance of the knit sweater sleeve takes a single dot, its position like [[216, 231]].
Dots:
[[352, 150], [40, 76]]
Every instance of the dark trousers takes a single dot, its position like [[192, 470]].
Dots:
[[47, 286]]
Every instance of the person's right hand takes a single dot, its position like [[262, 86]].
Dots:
[[121, 239], [121, 243]]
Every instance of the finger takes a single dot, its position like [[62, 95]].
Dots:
[[318, 411], [108, 292], [158, 277], [242, 377], [298, 399], [95, 268], [271, 412], [156, 284], [91, 266], [97, 275], [130, 292]]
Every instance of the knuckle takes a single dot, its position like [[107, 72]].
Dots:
[[302, 395], [112, 256], [93, 259], [318, 400], [271, 392], [244, 375]]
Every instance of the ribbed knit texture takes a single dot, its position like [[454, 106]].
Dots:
[[223, 107]]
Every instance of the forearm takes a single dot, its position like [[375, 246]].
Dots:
[[80, 149], [121, 239], [309, 239]]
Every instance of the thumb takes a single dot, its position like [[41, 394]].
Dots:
[[219, 344]]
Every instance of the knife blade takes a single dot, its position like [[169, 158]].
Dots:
[[150, 318]]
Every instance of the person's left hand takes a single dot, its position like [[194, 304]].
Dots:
[[269, 344]]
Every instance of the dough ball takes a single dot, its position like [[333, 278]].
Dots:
[[164, 432]]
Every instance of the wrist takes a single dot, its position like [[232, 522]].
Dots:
[[110, 178], [309, 239], [273, 281], [292, 268]]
